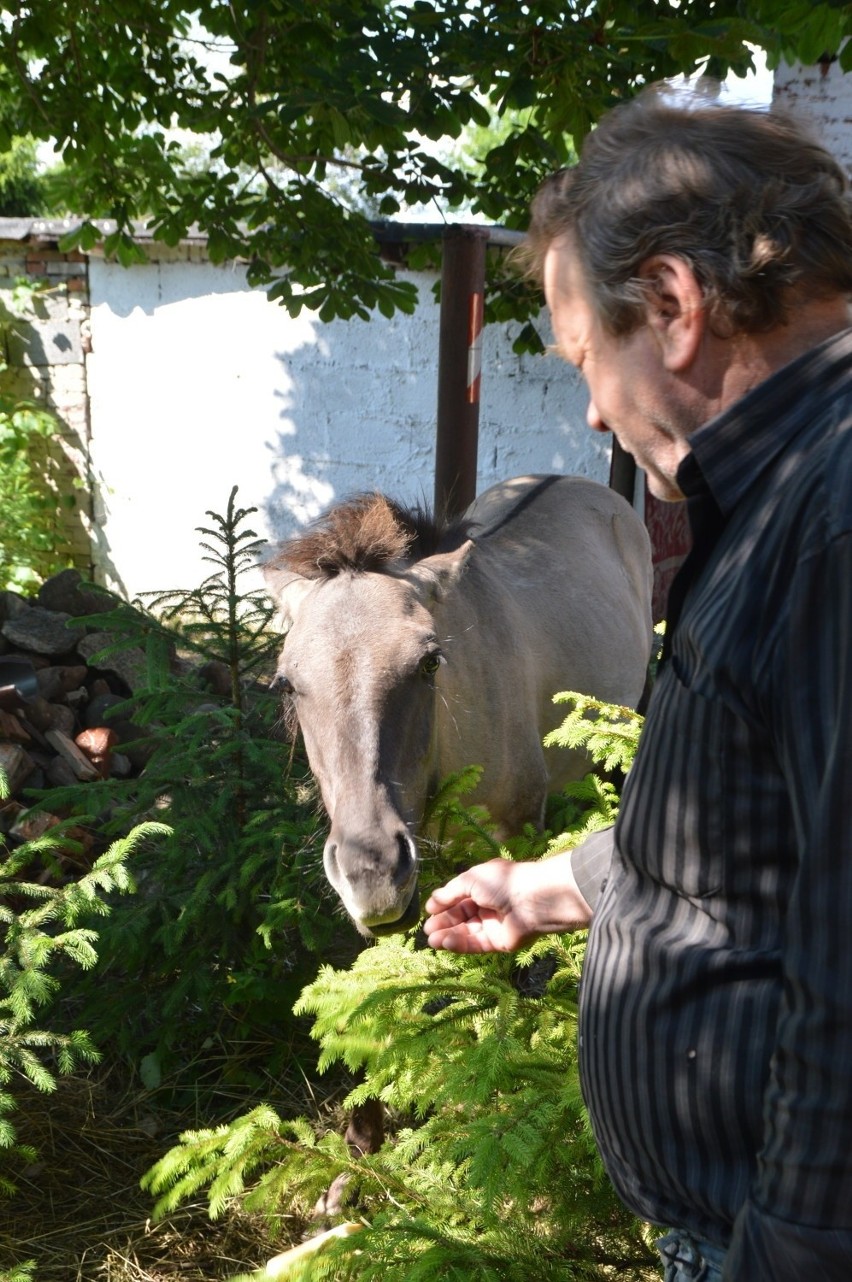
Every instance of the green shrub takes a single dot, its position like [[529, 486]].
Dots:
[[22, 188], [233, 909], [492, 1175], [40, 927], [44, 934], [29, 497]]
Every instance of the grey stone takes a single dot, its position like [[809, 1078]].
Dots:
[[66, 591], [120, 766], [68, 750], [9, 811], [44, 715], [100, 707], [29, 826], [42, 631], [128, 664], [59, 774], [54, 682], [16, 764], [11, 605]]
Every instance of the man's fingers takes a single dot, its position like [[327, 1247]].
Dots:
[[455, 891], [443, 918], [466, 938]]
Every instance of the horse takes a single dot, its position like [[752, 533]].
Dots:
[[413, 651]]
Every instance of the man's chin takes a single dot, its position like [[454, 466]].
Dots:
[[663, 488]]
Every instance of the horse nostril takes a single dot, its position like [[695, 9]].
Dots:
[[406, 858], [330, 857]]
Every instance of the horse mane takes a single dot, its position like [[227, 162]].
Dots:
[[366, 532]]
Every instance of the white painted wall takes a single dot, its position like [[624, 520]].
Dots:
[[198, 383], [821, 94]]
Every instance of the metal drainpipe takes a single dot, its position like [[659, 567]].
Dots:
[[622, 472], [459, 364], [459, 372]]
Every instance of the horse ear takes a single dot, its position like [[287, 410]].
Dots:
[[287, 589], [437, 575]]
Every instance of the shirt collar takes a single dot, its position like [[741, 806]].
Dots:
[[728, 454]]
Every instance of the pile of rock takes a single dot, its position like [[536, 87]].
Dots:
[[55, 700]]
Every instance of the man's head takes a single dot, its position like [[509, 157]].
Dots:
[[758, 210], [694, 250]]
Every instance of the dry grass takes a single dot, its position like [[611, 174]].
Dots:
[[80, 1213]]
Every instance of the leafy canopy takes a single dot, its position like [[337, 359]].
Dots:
[[293, 92]]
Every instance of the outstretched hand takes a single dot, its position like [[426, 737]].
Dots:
[[474, 912], [501, 906]]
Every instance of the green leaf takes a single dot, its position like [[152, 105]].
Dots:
[[150, 1071]]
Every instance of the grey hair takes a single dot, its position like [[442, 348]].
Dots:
[[758, 209]]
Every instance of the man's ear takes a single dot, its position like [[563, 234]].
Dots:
[[675, 308]]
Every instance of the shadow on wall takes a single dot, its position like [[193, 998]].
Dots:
[[357, 412], [198, 384], [43, 408]]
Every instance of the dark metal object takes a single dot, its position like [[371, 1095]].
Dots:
[[462, 294], [18, 682], [622, 472]]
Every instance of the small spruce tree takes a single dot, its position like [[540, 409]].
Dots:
[[44, 928], [233, 910]]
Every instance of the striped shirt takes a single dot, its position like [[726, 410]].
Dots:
[[716, 1005]]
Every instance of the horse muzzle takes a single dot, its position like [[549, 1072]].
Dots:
[[377, 883], [409, 919]]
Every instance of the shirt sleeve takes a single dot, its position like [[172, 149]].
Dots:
[[590, 863], [798, 1221]]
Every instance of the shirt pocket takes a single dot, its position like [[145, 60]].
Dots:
[[675, 819]]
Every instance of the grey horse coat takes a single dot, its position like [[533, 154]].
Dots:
[[408, 660]]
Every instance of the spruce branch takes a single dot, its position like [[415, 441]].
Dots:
[[30, 944], [491, 1171], [609, 732]]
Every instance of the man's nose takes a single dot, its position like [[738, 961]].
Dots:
[[594, 419]]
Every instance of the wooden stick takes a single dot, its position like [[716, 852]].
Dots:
[[279, 1265]]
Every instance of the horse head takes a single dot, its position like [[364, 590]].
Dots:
[[362, 665]]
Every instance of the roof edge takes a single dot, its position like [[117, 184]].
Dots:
[[386, 232]]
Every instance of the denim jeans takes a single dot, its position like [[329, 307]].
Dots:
[[689, 1259]]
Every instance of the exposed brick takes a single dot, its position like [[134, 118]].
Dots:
[[62, 269]]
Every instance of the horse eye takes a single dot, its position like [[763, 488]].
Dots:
[[430, 663]]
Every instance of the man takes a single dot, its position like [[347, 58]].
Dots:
[[697, 265]]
